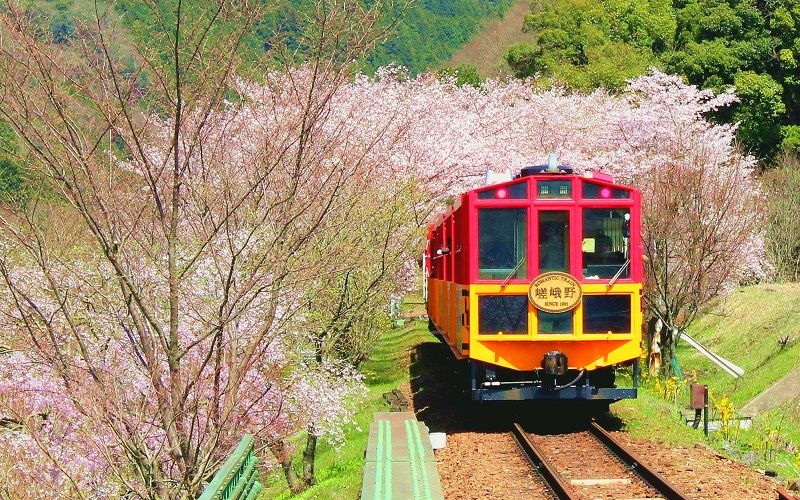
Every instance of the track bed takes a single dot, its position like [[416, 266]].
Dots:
[[590, 464]]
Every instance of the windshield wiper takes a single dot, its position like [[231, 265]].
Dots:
[[619, 273], [512, 273]]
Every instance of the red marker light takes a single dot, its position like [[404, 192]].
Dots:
[[502, 193], [605, 193]]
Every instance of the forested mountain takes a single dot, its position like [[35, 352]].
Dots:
[[753, 45], [426, 32]]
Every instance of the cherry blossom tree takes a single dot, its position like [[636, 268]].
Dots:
[[701, 224], [154, 291]]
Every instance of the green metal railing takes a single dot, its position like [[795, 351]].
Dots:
[[238, 477]]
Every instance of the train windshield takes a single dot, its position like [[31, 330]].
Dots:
[[553, 240], [503, 243], [605, 246]]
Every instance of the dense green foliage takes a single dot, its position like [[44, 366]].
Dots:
[[754, 46], [592, 43], [463, 74]]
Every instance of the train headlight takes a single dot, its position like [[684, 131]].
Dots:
[[554, 363]]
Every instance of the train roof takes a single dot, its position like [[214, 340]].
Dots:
[[607, 188]]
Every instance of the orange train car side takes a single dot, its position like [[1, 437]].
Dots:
[[537, 283]]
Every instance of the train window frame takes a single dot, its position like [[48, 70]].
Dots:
[[572, 321], [521, 274], [627, 275], [568, 198], [504, 335], [615, 334], [615, 193], [516, 191]]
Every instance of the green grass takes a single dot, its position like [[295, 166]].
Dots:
[[413, 307], [745, 327], [339, 473], [650, 417]]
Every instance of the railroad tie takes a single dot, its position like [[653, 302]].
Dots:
[[598, 482]]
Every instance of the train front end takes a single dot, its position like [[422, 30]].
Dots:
[[537, 283]]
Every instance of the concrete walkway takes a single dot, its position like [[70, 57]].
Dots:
[[778, 393]]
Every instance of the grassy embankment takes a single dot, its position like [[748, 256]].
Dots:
[[744, 327], [339, 473]]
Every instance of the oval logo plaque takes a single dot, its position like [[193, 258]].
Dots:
[[555, 292]]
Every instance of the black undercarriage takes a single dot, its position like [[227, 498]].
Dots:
[[493, 383]]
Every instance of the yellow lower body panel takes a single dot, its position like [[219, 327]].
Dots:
[[454, 309]]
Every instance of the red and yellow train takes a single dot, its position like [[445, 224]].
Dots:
[[537, 282]]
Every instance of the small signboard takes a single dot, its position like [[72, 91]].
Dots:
[[555, 292]]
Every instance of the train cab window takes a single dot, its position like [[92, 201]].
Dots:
[[606, 242], [503, 243], [502, 313], [607, 313], [518, 191], [553, 190], [555, 322], [553, 240], [594, 191]]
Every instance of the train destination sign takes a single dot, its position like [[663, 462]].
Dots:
[[555, 292]]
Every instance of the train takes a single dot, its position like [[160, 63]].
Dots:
[[536, 282]]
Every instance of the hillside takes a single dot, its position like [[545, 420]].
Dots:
[[426, 33], [746, 327], [486, 49], [749, 327]]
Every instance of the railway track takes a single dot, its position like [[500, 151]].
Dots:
[[591, 464]]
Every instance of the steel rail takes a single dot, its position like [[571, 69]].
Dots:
[[655, 479], [786, 495], [545, 469]]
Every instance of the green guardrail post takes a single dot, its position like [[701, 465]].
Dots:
[[238, 477]]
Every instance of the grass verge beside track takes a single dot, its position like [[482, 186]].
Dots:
[[339, 473], [746, 327]]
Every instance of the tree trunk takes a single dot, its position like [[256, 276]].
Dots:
[[650, 333], [282, 454], [667, 348], [308, 457]]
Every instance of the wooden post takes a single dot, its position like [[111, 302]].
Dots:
[[705, 412]]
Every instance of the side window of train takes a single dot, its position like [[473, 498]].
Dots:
[[606, 243], [502, 243], [553, 240]]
